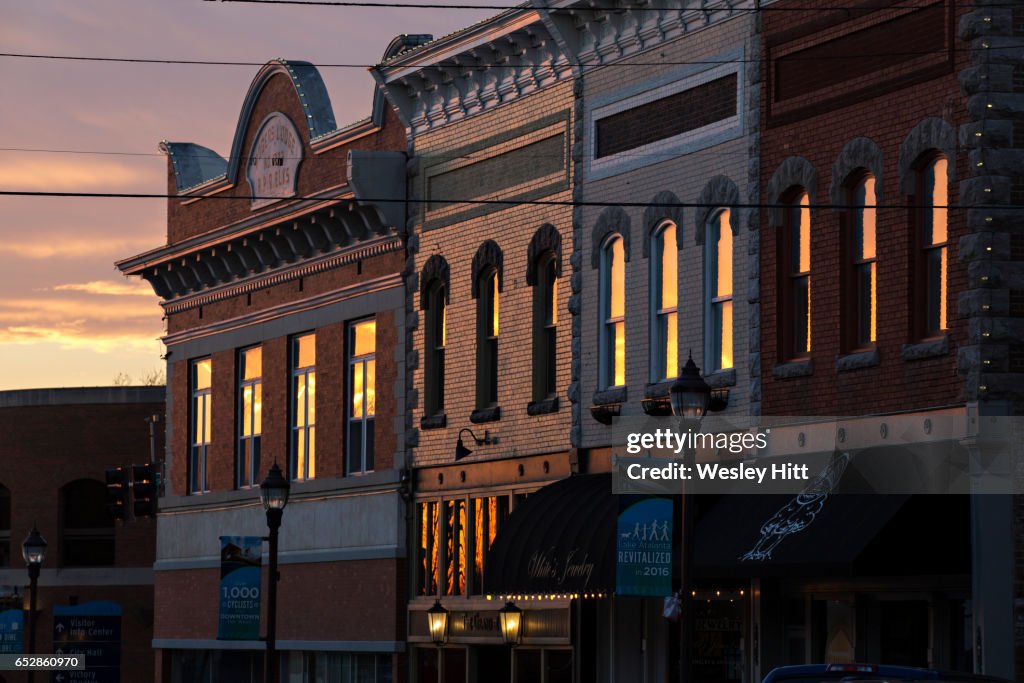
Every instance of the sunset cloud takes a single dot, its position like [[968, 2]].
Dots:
[[108, 287], [53, 173]]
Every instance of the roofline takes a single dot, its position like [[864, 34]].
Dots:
[[24, 398]]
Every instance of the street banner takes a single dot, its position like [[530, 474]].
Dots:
[[92, 631], [643, 547], [12, 626], [240, 558]]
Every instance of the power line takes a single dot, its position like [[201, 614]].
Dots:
[[485, 65], [410, 5], [501, 202]]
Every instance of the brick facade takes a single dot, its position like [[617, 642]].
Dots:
[[311, 264]]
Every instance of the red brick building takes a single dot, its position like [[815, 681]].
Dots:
[[876, 295], [281, 283], [56, 445]]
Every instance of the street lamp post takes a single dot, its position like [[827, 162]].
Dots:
[[274, 494], [690, 396], [34, 552], [437, 623]]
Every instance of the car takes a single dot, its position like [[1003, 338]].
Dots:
[[855, 673]]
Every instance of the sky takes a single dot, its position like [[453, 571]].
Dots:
[[67, 316]]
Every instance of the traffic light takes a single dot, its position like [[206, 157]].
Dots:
[[117, 492], [144, 481]]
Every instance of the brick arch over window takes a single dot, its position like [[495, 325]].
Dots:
[[547, 238], [930, 134], [719, 193], [664, 207], [436, 268], [489, 254], [612, 220], [791, 172], [859, 153]]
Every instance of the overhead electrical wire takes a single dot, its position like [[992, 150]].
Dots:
[[494, 65], [469, 6], [503, 202]]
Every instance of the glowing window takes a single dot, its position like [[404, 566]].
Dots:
[[200, 428], [303, 407], [935, 245], [250, 416], [798, 275], [362, 403], [664, 303], [718, 286], [613, 311]]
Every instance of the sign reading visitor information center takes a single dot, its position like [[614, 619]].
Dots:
[[92, 631], [240, 558], [273, 167], [643, 547]]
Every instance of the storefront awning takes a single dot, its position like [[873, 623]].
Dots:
[[560, 540], [835, 535]]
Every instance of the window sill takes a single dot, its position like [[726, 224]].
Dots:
[[482, 415], [438, 421], [545, 407], [930, 348], [659, 389], [858, 360], [721, 378], [795, 368], [610, 396]]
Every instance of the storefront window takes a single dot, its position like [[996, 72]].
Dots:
[[340, 667], [457, 549]]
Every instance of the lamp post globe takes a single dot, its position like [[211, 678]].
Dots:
[[34, 548], [274, 490], [690, 394]]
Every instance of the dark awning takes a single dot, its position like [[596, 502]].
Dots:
[[803, 535], [560, 540]]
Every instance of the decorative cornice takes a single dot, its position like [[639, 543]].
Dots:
[[271, 247], [598, 36], [305, 269], [474, 70]]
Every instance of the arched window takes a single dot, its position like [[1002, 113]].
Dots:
[[862, 308], [796, 277], [613, 313], [545, 326], [487, 307], [87, 529], [933, 252], [5, 526], [718, 307], [664, 303], [435, 339]]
